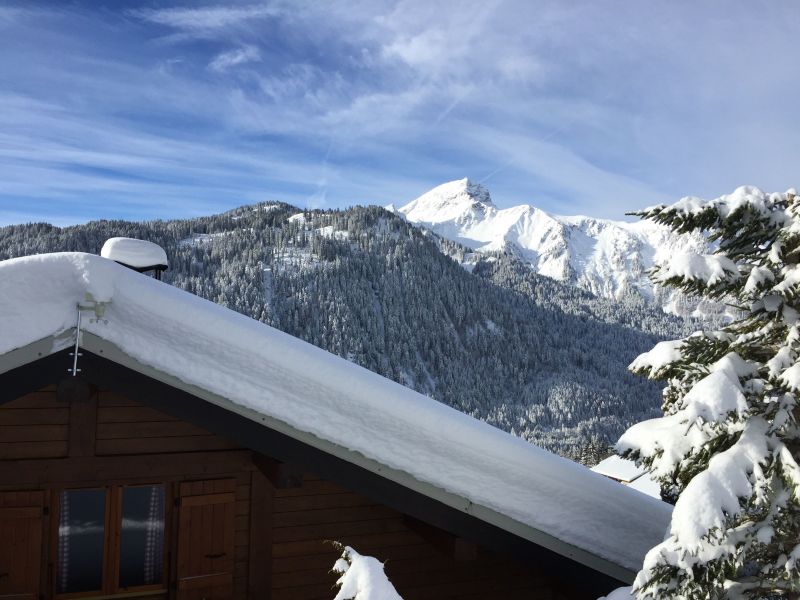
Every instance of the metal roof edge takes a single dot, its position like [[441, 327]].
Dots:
[[36, 350]]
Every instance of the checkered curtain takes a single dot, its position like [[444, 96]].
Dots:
[[154, 537], [63, 543]]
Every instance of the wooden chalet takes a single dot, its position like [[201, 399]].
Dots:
[[133, 468]]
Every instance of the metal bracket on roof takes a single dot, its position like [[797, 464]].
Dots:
[[98, 308]]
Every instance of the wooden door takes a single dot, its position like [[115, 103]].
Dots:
[[205, 540], [21, 527]]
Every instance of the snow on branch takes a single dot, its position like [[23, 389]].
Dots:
[[711, 499], [655, 362], [362, 577], [706, 269]]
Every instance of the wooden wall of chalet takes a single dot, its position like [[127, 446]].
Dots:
[[48, 445], [421, 561], [279, 534]]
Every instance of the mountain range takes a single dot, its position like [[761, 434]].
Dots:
[[607, 258]]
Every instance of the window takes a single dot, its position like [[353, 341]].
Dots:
[[81, 540], [141, 549], [111, 540]]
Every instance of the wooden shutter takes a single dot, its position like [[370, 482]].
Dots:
[[21, 525], [205, 540]]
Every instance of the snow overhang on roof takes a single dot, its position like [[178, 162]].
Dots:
[[327, 402], [618, 468]]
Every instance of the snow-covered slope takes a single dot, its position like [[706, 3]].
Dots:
[[608, 258]]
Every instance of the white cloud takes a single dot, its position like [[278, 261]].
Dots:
[[205, 19], [422, 49], [226, 60]]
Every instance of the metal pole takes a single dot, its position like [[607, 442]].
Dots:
[[75, 351]]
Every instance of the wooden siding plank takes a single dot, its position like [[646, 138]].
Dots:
[[333, 515], [36, 400], [130, 414], [148, 429], [298, 503], [321, 560], [206, 499], [102, 470], [21, 450], [192, 443], [337, 530], [362, 542], [312, 592], [107, 398], [311, 488], [20, 512], [39, 433], [34, 416]]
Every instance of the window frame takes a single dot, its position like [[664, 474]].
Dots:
[[112, 539]]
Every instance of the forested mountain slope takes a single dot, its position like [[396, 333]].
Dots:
[[530, 355]]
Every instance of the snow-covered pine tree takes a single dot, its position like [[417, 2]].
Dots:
[[728, 445]]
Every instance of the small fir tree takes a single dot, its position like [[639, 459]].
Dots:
[[728, 445]]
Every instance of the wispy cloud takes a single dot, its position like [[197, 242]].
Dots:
[[231, 58], [203, 20], [570, 182]]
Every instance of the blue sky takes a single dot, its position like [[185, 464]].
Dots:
[[157, 110]]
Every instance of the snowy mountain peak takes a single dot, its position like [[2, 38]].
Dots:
[[452, 200], [608, 258]]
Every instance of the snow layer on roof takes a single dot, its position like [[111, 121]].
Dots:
[[646, 484], [261, 368], [636, 478], [619, 468], [139, 254]]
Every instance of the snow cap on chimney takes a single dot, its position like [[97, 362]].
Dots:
[[139, 255]]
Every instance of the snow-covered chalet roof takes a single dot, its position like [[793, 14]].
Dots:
[[618, 468], [626, 471], [329, 402]]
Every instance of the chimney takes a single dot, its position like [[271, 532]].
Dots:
[[139, 255]]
